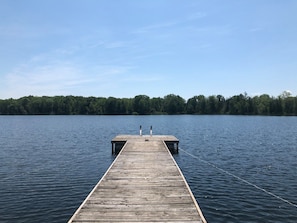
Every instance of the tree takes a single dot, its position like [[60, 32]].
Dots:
[[174, 104], [220, 104], [241, 104], [212, 104], [263, 104], [192, 105], [110, 106], [141, 104], [157, 105], [290, 106]]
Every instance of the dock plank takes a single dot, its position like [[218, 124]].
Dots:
[[144, 184]]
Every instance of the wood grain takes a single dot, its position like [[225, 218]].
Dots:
[[144, 184]]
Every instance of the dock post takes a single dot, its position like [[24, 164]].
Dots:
[[176, 147], [140, 131], [113, 147], [151, 130]]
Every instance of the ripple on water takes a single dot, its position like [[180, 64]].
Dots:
[[49, 164]]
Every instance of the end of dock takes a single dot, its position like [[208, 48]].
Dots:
[[119, 141]]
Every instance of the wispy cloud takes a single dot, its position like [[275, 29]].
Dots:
[[63, 79], [153, 27], [143, 78], [207, 31], [45, 80], [255, 29], [45, 75], [25, 31], [171, 23], [197, 15], [68, 69], [116, 44]]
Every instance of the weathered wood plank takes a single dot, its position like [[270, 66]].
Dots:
[[144, 184]]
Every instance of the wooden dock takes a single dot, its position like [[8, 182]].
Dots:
[[143, 184]]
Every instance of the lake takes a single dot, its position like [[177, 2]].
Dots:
[[240, 168]]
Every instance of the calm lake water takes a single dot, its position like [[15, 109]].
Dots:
[[240, 168]]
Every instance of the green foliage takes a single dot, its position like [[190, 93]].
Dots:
[[241, 104], [174, 104], [141, 104]]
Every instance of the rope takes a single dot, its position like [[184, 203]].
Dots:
[[240, 179]]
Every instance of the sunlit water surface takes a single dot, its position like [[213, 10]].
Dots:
[[240, 168]]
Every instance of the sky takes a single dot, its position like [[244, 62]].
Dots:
[[124, 48]]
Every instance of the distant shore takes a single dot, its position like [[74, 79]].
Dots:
[[283, 105]]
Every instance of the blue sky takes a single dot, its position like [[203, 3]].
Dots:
[[123, 48]]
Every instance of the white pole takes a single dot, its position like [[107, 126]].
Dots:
[[151, 131], [140, 131]]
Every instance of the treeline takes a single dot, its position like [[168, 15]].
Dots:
[[242, 104]]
